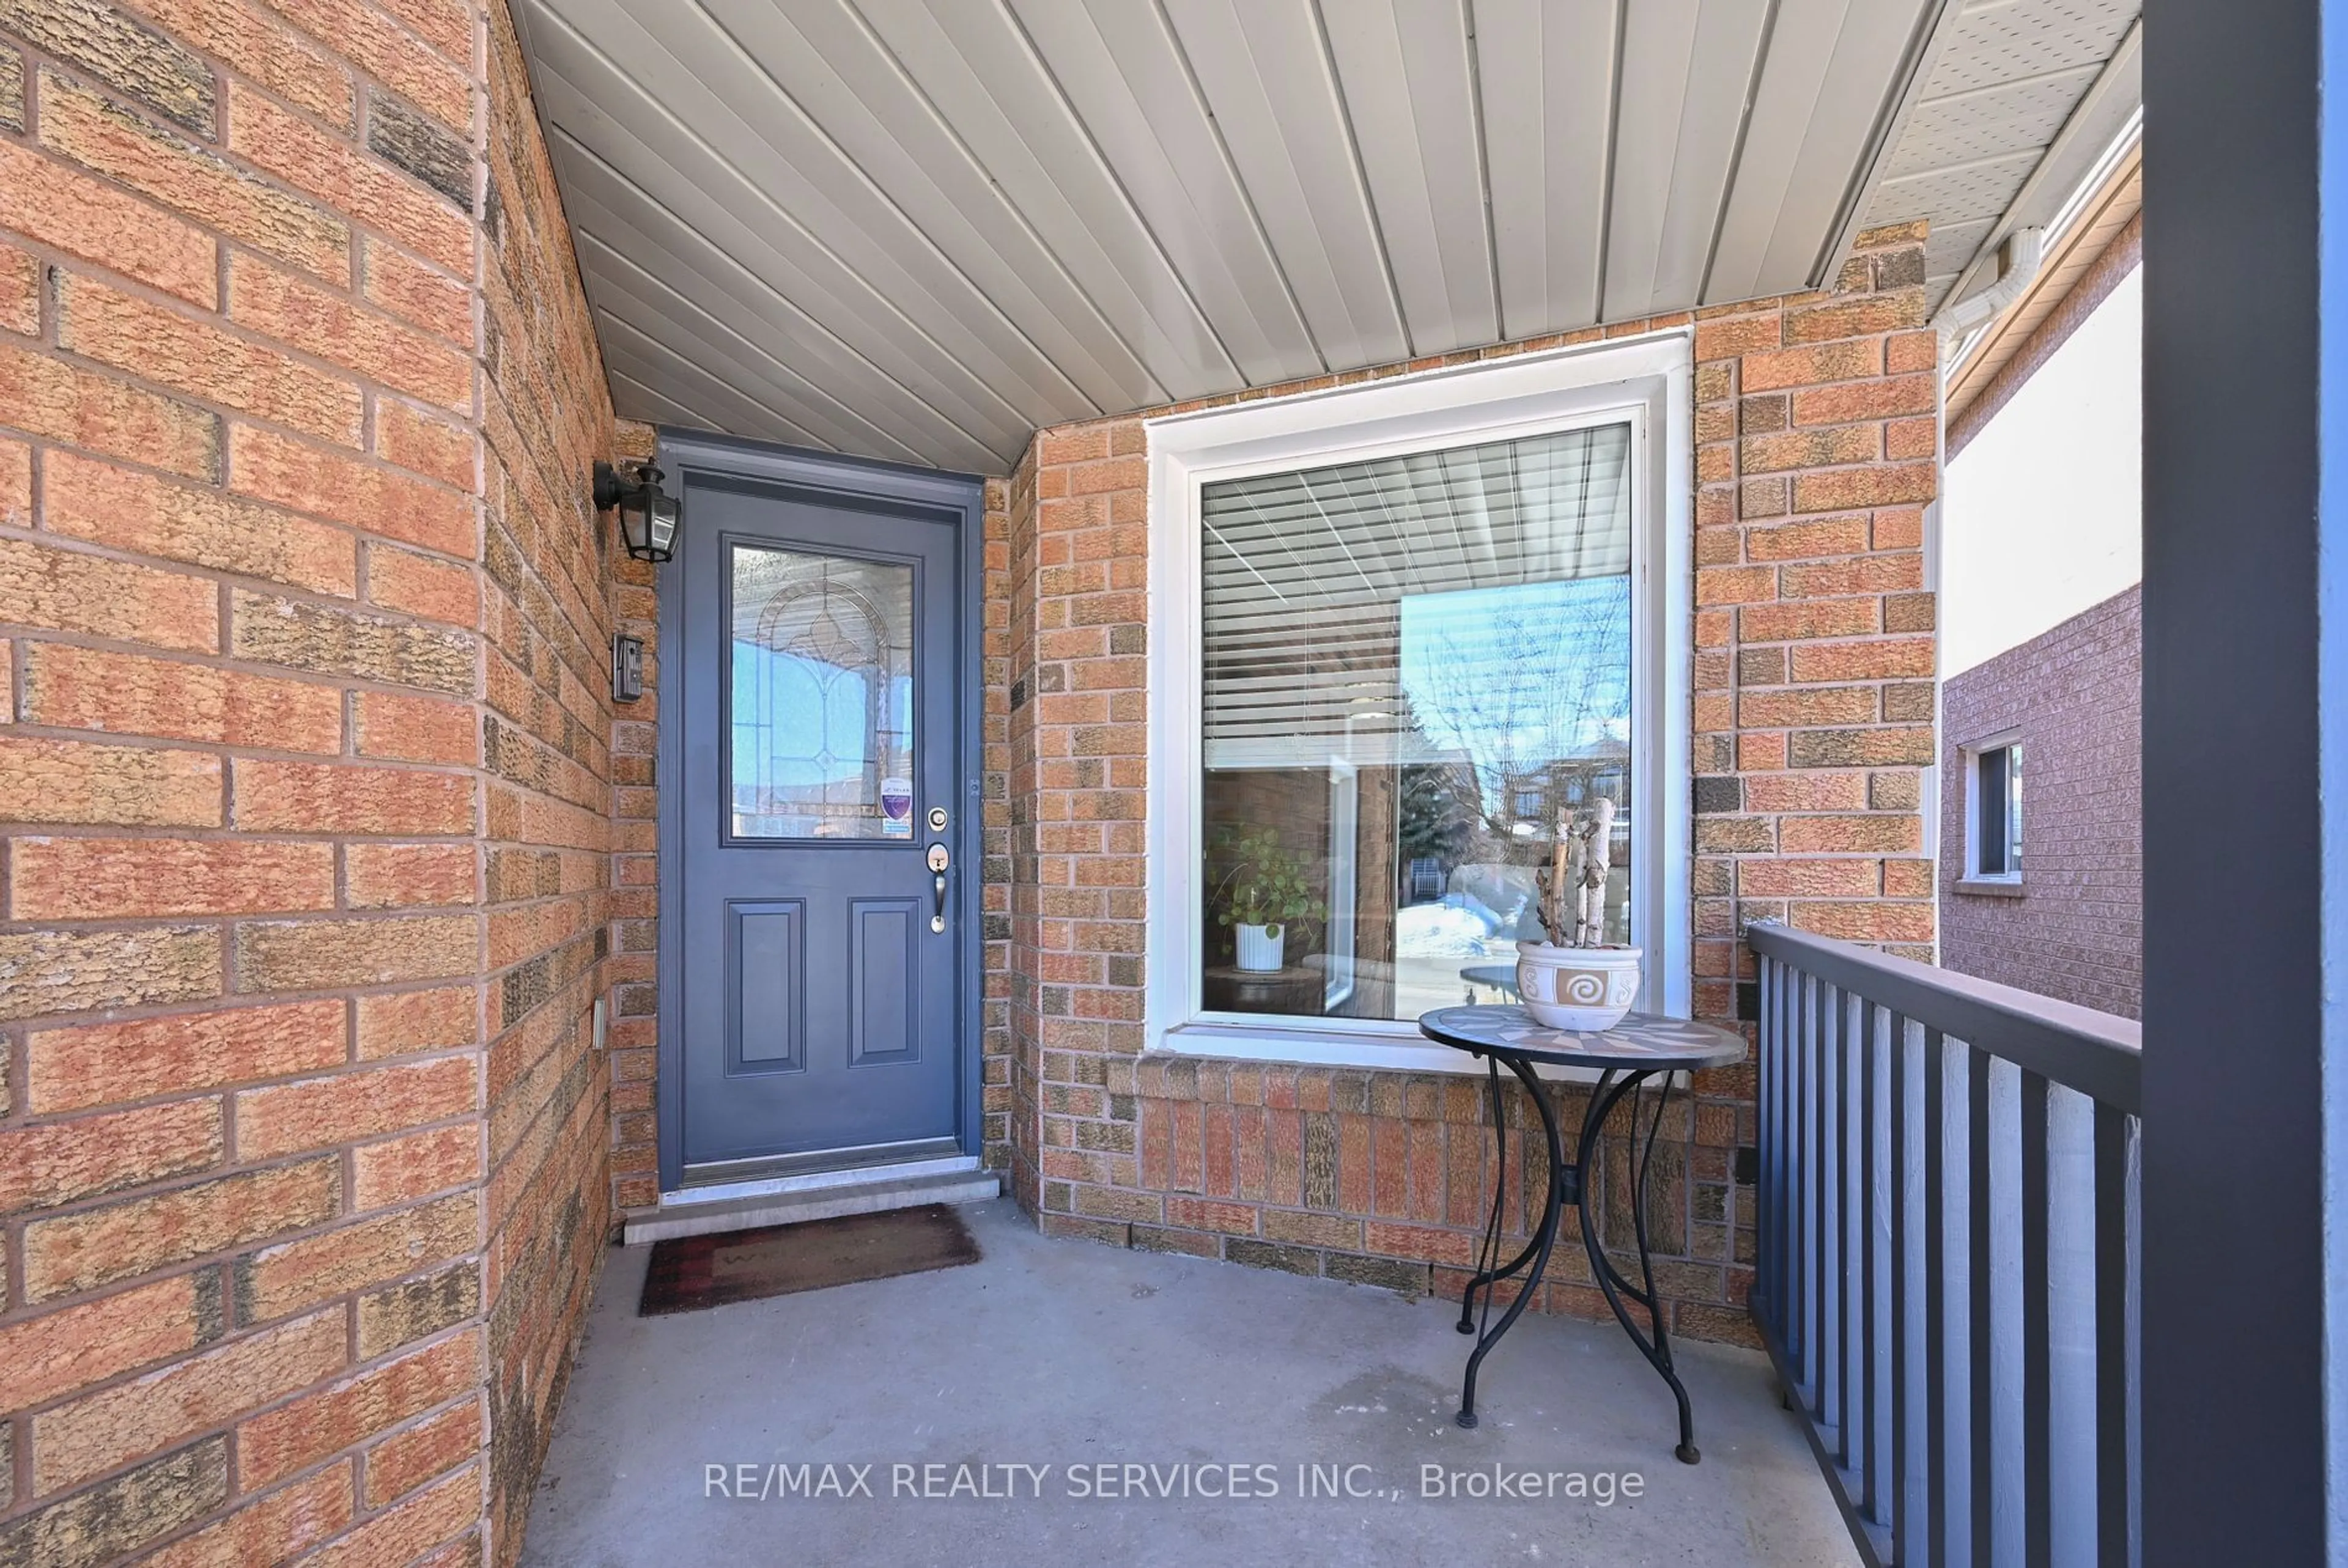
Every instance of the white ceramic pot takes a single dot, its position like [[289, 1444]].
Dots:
[[1587, 989], [1260, 948]]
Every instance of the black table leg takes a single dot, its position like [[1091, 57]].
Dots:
[[1544, 1237], [1654, 1344], [1489, 1248], [1486, 1275], [1570, 1184]]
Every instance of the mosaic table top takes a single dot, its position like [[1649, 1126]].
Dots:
[[1641, 1043]]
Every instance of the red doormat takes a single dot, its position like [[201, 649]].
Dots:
[[690, 1273]]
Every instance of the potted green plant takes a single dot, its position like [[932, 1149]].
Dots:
[[1261, 894]]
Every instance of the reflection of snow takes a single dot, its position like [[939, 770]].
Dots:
[[1448, 929], [1505, 894], [1460, 926]]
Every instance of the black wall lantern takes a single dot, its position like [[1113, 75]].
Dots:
[[647, 515]]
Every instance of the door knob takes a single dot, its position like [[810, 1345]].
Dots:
[[938, 859]]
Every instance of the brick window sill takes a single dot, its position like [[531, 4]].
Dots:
[[1981, 888]]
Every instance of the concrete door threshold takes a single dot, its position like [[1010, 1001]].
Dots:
[[818, 1195]]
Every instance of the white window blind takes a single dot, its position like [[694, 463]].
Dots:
[[1307, 574]]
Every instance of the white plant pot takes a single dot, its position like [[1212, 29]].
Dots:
[[1586, 989], [1260, 948]]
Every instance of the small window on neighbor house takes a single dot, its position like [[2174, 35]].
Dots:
[[1997, 813]]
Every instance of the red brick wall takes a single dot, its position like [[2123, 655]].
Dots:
[[634, 967], [304, 746], [548, 588], [1817, 428], [998, 1113], [2074, 927]]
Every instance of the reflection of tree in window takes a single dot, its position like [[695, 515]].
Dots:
[[1433, 828], [1525, 683]]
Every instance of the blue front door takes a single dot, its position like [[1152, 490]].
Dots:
[[820, 936]]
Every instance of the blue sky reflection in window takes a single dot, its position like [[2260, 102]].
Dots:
[[821, 696]]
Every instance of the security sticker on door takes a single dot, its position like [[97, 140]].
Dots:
[[897, 807]]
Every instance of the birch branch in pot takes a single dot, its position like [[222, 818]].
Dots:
[[1575, 980]]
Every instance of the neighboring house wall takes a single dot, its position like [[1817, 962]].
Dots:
[[302, 1140], [2041, 538], [2074, 927], [2042, 515], [1817, 428]]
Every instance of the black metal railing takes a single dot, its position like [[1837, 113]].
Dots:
[[1948, 1251]]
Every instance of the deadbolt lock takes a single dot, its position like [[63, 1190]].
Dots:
[[937, 819]]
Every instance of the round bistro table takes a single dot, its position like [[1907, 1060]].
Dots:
[[1640, 1047]]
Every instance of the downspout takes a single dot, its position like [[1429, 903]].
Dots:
[[2018, 260], [1929, 786]]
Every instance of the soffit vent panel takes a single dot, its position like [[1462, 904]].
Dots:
[[2021, 101]]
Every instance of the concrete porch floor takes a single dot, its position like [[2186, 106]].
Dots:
[[1065, 1353]]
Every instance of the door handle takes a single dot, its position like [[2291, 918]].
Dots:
[[938, 859]]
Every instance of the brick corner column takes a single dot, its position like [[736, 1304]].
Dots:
[[1818, 429], [1076, 725]]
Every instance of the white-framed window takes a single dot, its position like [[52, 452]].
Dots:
[[1993, 809], [1397, 631]]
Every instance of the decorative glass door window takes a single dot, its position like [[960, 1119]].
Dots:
[[1415, 670], [821, 696]]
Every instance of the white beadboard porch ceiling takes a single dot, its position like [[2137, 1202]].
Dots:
[[917, 230]]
